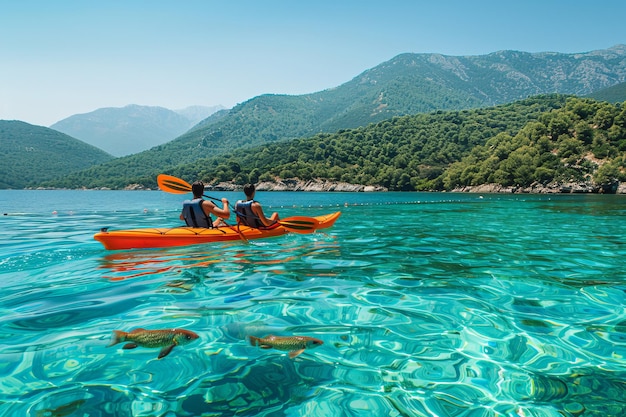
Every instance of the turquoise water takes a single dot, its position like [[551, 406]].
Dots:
[[428, 305]]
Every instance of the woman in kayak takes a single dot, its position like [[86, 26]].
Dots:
[[250, 213], [197, 212]]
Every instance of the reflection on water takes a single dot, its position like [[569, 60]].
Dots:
[[119, 266], [251, 256], [501, 306]]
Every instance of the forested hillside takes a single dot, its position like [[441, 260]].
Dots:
[[584, 142], [403, 153], [542, 140], [552, 139], [29, 153], [407, 84], [614, 94]]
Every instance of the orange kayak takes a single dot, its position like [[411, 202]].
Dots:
[[183, 236]]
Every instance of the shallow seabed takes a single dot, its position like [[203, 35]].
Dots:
[[428, 305]]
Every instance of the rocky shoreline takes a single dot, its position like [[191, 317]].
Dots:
[[297, 185], [329, 186], [320, 185], [568, 188]]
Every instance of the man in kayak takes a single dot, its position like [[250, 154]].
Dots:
[[250, 213], [197, 212]]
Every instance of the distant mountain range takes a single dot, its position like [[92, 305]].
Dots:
[[131, 129], [406, 84]]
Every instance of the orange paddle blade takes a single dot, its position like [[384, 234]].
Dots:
[[173, 185]]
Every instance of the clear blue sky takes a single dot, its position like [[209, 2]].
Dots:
[[62, 57]]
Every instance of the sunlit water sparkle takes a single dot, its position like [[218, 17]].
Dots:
[[428, 305]]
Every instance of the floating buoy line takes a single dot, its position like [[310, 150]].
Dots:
[[362, 204], [283, 206]]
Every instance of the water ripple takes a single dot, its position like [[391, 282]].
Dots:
[[451, 307]]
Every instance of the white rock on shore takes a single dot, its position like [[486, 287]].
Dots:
[[297, 185], [294, 184]]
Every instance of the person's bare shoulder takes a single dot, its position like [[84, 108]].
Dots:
[[256, 208], [207, 205]]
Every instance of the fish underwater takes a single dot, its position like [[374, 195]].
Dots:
[[295, 345], [166, 339], [62, 410]]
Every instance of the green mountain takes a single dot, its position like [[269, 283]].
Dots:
[[127, 130], [407, 84], [402, 153], [614, 94], [541, 142], [29, 153]]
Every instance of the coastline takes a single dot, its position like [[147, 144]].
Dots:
[[294, 184], [568, 188]]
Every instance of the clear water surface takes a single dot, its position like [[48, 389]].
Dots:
[[427, 304]]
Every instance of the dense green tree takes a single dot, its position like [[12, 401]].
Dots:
[[556, 148]]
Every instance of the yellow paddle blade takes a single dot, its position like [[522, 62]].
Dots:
[[173, 185]]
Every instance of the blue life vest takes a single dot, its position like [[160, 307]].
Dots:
[[246, 216], [194, 215]]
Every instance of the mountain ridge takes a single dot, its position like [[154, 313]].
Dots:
[[133, 128]]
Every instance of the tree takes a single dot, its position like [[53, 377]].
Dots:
[[559, 125], [608, 173]]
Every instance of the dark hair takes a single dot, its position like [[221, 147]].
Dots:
[[197, 188], [249, 189]]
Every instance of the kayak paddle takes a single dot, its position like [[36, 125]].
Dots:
[[296, 224]]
